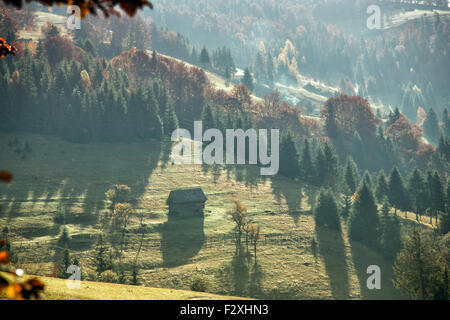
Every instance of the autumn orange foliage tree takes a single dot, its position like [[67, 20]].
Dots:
[[6, 48], [408, 138]]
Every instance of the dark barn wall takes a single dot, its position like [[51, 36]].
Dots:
[[186, 209]]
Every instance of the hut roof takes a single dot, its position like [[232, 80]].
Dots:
[[186, 196]]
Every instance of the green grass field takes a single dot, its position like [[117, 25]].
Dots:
[[58, 175]]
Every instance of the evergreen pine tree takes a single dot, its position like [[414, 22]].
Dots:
[[398, 197], [247, 79], [194, 56], [368, 179], [446, 123], [350, 176], [64, 264], [204, 59], [208, 118], [363, 223], [381, 190], [170, 119], [306, 165], [326, 211], [101, 260], [437, 197], [417, 191], [431, 127], [330, 168], [289, 164]]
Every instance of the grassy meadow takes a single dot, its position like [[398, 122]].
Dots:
[[59, 176]]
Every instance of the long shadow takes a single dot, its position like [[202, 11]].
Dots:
[[73, 174], [234, 276], [332, 250], [182, 239], [291, 192], [256, 289], [363, 257]]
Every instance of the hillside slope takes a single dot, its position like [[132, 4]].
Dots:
[[61, 177], [56, 289]]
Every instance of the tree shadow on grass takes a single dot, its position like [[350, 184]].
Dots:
[[182, 239], [256, 289], [80, 174], [234, 276], [364, 257], [332, 250], [291, 191]]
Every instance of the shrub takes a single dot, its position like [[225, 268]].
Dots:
[[199, 284], [109, 276]]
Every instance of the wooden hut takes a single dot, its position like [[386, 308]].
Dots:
[[186, 202]]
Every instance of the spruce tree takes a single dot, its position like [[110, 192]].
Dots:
[[431, 127], [170, 119], [64, 264], [381, 190], [306, 165], [330, 165], [417, 191], [207, 118], [326, 211], [437, 197], [350, 176], [368, 179], [247, 79], [363, 223], [101, 262], [289, 164], [64, 238], [398, 197], [154, 60], [446, 123], [204, 59]]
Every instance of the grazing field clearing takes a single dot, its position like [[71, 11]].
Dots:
[[59, 176]]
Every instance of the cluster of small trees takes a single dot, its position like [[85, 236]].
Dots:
[[122, 210], [243, 226]]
